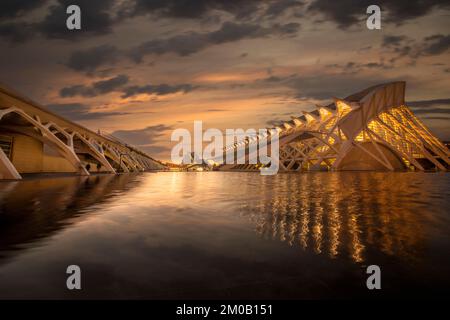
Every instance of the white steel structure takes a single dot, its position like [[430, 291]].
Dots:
[[370, 130], [35, 140]]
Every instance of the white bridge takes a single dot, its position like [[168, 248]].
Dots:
[[35, 140]]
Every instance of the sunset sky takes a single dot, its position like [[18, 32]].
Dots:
[[139, 69]]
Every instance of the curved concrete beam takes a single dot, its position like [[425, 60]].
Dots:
[[48, 137]]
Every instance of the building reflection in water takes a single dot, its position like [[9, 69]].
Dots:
[[190, 234], [349, 215], [341, 215], [34, 209]]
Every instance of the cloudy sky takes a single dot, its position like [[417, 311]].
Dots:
[[139, 69]]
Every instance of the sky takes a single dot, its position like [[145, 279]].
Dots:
[[140, 69]]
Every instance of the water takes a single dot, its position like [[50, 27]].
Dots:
[[226, 235]]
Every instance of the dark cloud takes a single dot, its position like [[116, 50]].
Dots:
[[79, 112], [117, 84], [431, 110], [182, 45], [402, 10], [106, 86], [96, 17], [90, 59], [436, 118], [189, 43], [142, 137], [161, 89], [346, 13], [77, 90], [278, 8], [436, 44], [203, 9], [435, 106], [353, 67], [16, 8], [216, 110], [429, 103], [16, 32], [231, 31], [192, 9], [374, 65], [97, 88], [402, 46], [100, 16], [393, 41], [405, 51], [322, 86], [287, 29]]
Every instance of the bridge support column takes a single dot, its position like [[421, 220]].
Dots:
[[7, 169], [95, 153]]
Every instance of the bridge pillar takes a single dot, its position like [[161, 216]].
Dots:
[[7, 169]]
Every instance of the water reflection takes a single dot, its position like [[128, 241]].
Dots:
[[225, 235], [34, 209], [346, 214]]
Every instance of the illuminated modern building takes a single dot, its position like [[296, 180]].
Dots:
[[35, 140], [370, 130]]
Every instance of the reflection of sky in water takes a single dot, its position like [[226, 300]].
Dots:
[[228, 235]]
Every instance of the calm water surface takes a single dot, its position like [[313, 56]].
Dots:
[[226, 235]]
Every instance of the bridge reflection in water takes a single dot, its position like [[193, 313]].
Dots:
[[226, 234], [34, 209], [329, 213]]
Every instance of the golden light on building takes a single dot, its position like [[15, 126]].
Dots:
[[370, 130]]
